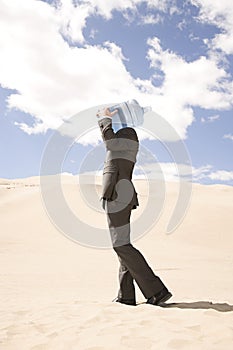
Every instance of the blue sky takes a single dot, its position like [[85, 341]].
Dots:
[[61, 57]]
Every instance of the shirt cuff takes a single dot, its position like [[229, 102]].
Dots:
[[104, 122]]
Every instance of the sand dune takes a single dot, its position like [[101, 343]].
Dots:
[[52, 294]]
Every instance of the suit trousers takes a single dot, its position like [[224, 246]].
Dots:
[[133, 265]]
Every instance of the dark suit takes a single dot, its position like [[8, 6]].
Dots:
[[119, 198]]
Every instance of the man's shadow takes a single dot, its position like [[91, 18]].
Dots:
[[221, 307]]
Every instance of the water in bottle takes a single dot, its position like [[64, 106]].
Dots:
[[129, 114]]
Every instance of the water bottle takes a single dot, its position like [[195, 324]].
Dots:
[[129, 114]]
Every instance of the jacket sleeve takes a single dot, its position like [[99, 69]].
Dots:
[[111, 141]]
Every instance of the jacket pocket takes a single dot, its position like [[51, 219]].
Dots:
[[110, 175]]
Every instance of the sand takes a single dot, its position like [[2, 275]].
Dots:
[[56, 294]]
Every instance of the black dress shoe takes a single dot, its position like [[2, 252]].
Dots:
[[125, 301], [160, 298]]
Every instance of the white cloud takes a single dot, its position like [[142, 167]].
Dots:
[[164, 6], [92, 137], [93, 33], [150, 19], [55, 81], [72, 19], [228, 136], [173, 172], [201, 172], [221, 175], [201, 83], [37, 128], [74, 13], [210, 119], [205, 172], [182, 24], [105, 8], [129, 9], [169, 172], [219, 13], [193, 37]]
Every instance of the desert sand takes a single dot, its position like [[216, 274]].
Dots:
[[57, 294]]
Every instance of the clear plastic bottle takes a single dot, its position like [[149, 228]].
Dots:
[[129, 114]]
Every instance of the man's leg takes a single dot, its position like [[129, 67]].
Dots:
[[148, 282], [118, 222], [121, 236], [127, 289], [130, 257]]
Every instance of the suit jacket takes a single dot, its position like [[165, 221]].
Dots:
[[122, 149]]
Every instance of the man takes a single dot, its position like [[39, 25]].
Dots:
[[119, 198]]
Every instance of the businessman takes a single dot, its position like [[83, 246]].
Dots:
[[119, 198]]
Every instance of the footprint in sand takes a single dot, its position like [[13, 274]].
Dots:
[[21, 312], [95, 348], [178, 344], [136, 342], [145, 323], [43, 346]]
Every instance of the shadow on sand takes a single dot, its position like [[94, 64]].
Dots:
[[221, 307]]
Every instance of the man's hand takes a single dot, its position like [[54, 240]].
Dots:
[[106, 112], [109, 113]]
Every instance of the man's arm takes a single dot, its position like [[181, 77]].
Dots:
[[112, 142]]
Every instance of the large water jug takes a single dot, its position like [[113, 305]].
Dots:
[[129, 114]]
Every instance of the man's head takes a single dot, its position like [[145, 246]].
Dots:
[[127, 133]]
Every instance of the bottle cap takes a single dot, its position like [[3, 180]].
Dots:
[[147, 109]]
